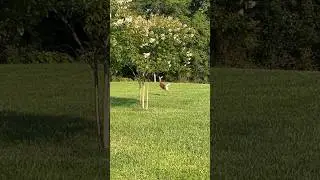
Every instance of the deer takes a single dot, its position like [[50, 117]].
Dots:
[[163, 85]]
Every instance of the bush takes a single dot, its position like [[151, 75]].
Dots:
[[120, 79], [49, 57], [27, 55]]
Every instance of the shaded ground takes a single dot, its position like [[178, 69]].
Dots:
[[122, 102], [33, 127], [265, 124]]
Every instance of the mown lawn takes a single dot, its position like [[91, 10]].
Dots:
[[169, 141], [48, 131], [266, 124]]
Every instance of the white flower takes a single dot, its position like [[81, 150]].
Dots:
[[143, 45], [114, 42], [146, 55], [136, 26], [189, 54], [152, 40], [175, 36], [188, 62], [129, 19], [118, 22], [162, 36]]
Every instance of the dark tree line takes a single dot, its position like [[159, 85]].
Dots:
[[257, 34], [267, 34]]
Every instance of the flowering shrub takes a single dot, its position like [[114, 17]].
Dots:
[[154, 44]]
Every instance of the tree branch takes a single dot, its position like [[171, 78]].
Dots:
[[70, 27]]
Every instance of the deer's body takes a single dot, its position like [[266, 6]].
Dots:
[[163, 85]]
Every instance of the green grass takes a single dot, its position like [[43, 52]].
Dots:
[[169, 141], [48, 131], [266, 124]]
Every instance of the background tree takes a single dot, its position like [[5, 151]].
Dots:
[[154, 44], [26, 36], [257, 34]]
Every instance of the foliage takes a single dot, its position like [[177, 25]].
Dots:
[[29, 55], [152, 45], [261, 34], [273, 34]]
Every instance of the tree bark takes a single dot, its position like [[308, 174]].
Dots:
[[106, 103], [143, 91], [97, 102], [212, 63], [70, 27], [140, 92], [147, 101], [93, 66]]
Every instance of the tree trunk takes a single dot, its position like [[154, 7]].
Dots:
[[213, 51], [140, 92], [154, 77], [143, 91], [106, 103], [97, 101], [147, 101]]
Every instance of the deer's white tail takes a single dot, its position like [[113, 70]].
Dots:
[[167, 86]]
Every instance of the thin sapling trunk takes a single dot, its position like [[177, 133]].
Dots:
[[140, 92], [147, 102], [143, 92]]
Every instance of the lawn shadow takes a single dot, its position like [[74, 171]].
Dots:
[[33, 127], [156, 94], [123, 102]]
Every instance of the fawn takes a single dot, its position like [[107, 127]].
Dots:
[[163, 85]]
